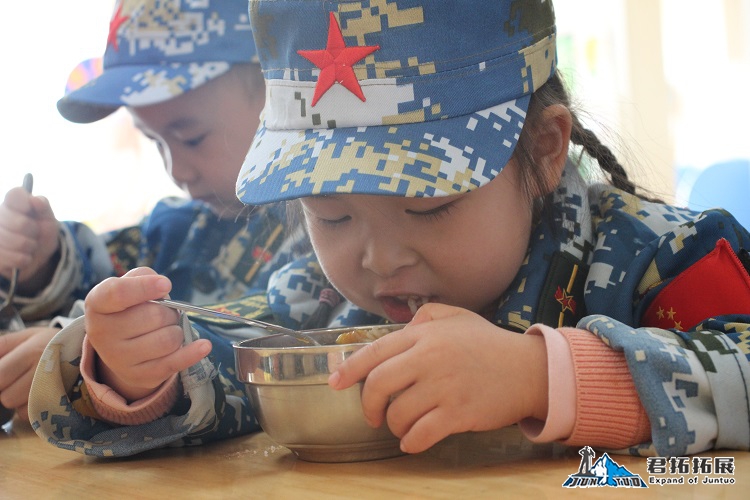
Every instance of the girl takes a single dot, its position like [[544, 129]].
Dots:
[[428, 143]]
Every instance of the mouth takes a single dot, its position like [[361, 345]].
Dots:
[[402, 308], [414, 301]]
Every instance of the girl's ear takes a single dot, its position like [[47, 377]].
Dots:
[[550, 145]]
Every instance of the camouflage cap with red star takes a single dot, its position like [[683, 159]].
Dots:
[[159, 49], [392, 97]]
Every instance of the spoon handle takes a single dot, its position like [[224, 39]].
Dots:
[[28, 182], [184, 306]]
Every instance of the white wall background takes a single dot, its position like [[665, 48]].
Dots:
[[104, 173]]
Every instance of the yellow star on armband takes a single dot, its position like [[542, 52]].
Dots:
[[671, 313], [660, 313]]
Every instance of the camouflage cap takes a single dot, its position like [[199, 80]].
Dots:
[[158, 49], [392, 97]]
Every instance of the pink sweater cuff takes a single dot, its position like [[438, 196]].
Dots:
[[561, 412], [609, 413], [114, 408]]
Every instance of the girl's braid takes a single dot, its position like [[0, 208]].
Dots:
[[602, 154], [554, 92]]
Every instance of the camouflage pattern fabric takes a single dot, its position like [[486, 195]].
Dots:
[[209, 260], [414, 118], [157, 50], [694, 385]]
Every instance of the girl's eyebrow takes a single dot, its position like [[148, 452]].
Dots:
[[180, 124], [174, 126]]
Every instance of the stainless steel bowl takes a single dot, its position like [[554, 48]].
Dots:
[[287, 384]]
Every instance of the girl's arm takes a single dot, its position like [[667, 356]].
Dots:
[[693, 385], [211, 404]]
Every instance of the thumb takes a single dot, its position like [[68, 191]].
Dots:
[[432, 311], [18, 200], [41, 207]]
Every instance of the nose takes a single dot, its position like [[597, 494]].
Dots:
[[177, 165], [386, 254]]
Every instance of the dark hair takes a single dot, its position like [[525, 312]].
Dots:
[[533, 179]]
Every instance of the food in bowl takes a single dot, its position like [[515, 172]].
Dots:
[[358, 335], [287, 384]]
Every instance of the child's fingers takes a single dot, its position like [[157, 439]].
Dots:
[[140, 271], [158, 343], [115, 295], [18, 238], [432, 311], [23, 412], [41, 207], [13, 258], [431, 428], [406, 408], [18, 363], [18, 200], [16, 392], [11, 340], [185, 357], [111, 333], [362, 362]]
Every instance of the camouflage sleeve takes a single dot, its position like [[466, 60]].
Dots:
[[124, 248], [695, 385], [213, 405], [294, 295]]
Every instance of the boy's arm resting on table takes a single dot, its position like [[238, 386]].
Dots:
[[210, 403]]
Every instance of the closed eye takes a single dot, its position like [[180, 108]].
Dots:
[[333, 222], [195, 141], [434, 213]]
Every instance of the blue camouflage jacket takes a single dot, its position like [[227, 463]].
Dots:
[[607, 261], [208, 259]]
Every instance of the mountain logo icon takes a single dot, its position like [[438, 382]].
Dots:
[[603, 472]]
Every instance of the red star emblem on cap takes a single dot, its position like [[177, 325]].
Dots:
[[335, 62], [114, 25]]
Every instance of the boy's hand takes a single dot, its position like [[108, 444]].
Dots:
[[448, 371], [138, 343], [20, 353], [28, 236]]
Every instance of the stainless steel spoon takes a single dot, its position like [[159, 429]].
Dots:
[[10, 319], [203, 311]]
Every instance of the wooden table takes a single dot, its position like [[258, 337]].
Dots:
[[477, 465]]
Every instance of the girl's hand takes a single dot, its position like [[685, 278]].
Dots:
[[138, 343], [20, 353], [448, 371], [28, 238]]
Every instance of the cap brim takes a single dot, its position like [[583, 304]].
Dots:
[[83, 112], [135, 86], [425, 159]]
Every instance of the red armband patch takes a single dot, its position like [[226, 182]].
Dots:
[[717, 284]]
